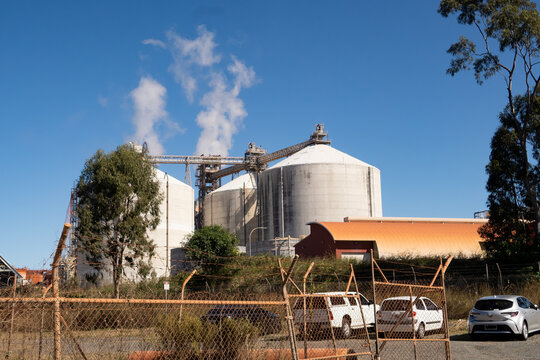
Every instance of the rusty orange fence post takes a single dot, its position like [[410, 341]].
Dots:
[[11, 323], [445, 309], [182, 295], [305, 312], [290, 320], [56, 292], [377, 356]]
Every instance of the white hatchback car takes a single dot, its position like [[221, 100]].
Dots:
[[334, 309], [504, 314], [394, 318]]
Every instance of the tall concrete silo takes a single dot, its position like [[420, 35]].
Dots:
[[318, 183], [176, 221], [233, 206]]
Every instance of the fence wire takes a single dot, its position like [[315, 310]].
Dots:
[[312, 320], [412, 321]]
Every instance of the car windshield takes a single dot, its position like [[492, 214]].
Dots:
[[493, 304], [395, 305], [311, 303]]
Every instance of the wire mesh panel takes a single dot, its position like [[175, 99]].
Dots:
[[411, 318], [26, 330], [318, 312], [146, 329], [333, 323]]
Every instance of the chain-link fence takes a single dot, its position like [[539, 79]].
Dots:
[[302, 315], [143, 329], [412, 321]]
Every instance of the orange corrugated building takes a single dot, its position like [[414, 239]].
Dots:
[[388, 237]]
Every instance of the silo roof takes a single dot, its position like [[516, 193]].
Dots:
[[161, 176], [319, 154], [247, 180]]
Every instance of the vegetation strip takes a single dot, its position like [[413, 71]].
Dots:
[[142, 301]]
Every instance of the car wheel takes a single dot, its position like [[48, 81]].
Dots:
[[524, 332], [346, 328], [421, 332], [474, 336]]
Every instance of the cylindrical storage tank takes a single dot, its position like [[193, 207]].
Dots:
[[233, 206], [318, 183], [177, 211], [176, 221]]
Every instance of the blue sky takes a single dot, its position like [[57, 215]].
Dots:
[[79, 76]]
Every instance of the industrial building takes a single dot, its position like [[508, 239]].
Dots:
[[298, 203], [8, 273], [176, 221], [392, 237]]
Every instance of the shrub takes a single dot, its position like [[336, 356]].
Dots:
[[193, 339]]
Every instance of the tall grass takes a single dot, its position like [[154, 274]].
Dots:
[[460, 300]]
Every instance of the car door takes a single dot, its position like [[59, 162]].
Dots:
[[339, 307], [434, 317], [368, 309], [421, 314], [533, 317], [356, 314]]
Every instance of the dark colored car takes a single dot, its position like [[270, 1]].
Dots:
[[266, 321]]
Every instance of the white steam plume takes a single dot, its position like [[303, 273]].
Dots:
[[224, 110], [154, 42], [149, 100], [187, 53]]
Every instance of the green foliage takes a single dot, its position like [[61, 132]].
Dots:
[[513, 25], [184, 339], [510, 46], [511, 230], [118, 202], [193, 339], [212, 246]]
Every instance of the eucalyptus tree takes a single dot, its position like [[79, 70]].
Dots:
[[508, 46], [118, 203]]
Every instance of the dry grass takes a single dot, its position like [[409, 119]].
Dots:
[[461, 300]]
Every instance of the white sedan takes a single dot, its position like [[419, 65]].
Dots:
[[394, 319]]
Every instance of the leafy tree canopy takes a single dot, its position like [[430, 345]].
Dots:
[[211, 246], [118, 202], [509, 33]]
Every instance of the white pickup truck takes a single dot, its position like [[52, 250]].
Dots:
[[338, 310]]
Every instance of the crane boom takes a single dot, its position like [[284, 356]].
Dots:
[[260, 161], [210, 171], [196, 160]]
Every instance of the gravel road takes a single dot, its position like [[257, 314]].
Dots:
[[499, 348]]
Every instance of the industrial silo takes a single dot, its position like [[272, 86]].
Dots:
[[176, 221], [233, 206], [318, 183]]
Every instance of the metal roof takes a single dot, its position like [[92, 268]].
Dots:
[[425, 237], [6, 267]]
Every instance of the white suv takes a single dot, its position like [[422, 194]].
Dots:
[[336, 309]]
